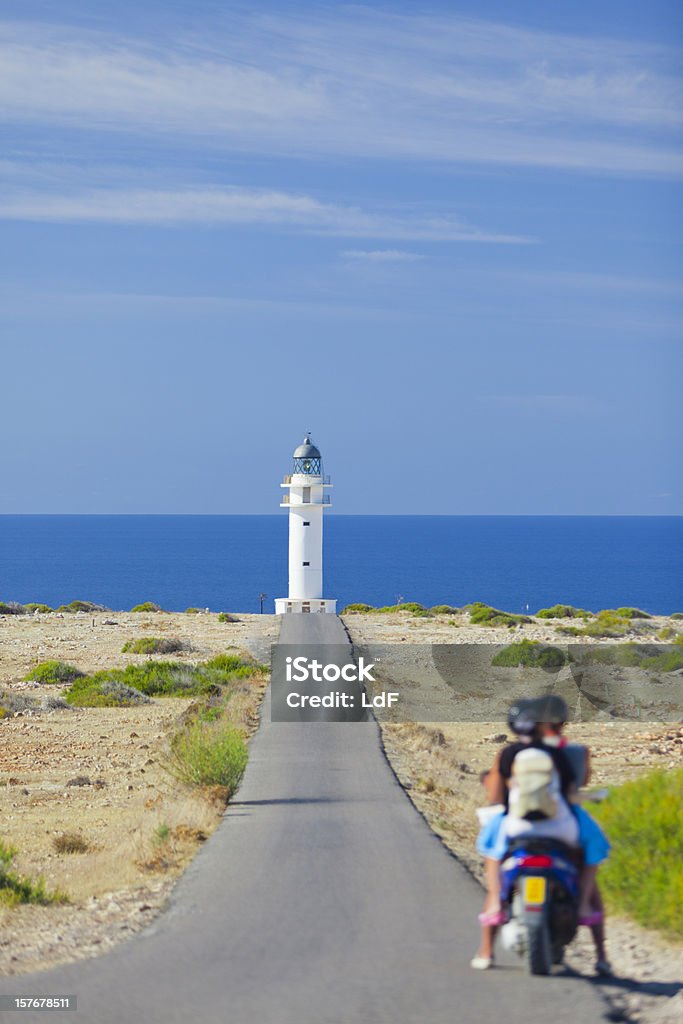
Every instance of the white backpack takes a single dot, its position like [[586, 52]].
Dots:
[[534, 790]]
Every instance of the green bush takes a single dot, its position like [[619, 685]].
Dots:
[[227, 617], [563, 611], [406, 606], [209, 754], [632, 613], [676, 615], [667, 633], [644, 873], [53, 673], [42, 608], [82, 606], [104, 690], [192, 611], [234, 666], [444, 609], [147, 606], [153, 645], [531, 654], [12, 608], [15, 889], [484, 615], [137, 683], [606, 624], [358, 609]]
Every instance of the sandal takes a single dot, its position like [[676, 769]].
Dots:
[[493, 918]]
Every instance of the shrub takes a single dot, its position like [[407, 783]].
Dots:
[[531, 654], [53, 673], [11, 608], [632, 613], [484, 615], [209, 754], [16, 889], [42, 608], [49, 703], [405, 606], [161, 834], [135, 684], [667, 633], [152, 645], [82, 606], [357, 609], [147, 606], [444, 609], [606, 624], [192, 611], [234, 666], [423, 613], [676, 615], [227, 617], [103, 691], [667, 661], [649, 657], [563, 611], [14, 702], [70, 842], [644, 823]]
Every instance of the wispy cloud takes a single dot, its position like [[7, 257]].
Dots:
[[363, 82], [382, 255], [237, 205]]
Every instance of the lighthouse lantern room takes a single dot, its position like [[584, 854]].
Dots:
[[306, 500]]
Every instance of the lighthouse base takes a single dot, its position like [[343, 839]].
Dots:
[[285, 605]]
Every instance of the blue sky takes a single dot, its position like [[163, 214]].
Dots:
[[445, 238]]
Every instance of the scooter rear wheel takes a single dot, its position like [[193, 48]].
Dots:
[[539, 953]]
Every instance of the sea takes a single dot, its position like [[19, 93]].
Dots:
[[239, 562]]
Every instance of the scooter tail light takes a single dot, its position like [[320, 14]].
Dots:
[[537, 861]]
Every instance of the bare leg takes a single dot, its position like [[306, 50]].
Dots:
[[492, 875], [598, 930], [491, 903], [488, 941], [587, 887]]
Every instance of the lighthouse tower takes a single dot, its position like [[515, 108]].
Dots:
[[306, 500]]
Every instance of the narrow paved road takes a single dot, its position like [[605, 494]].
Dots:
[[323, 898]]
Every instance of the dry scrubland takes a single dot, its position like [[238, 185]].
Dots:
[[95, 778], [141, 827]]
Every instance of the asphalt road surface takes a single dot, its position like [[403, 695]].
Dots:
[[322, 898]]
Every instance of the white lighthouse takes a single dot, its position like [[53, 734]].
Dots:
[[306, 500]]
